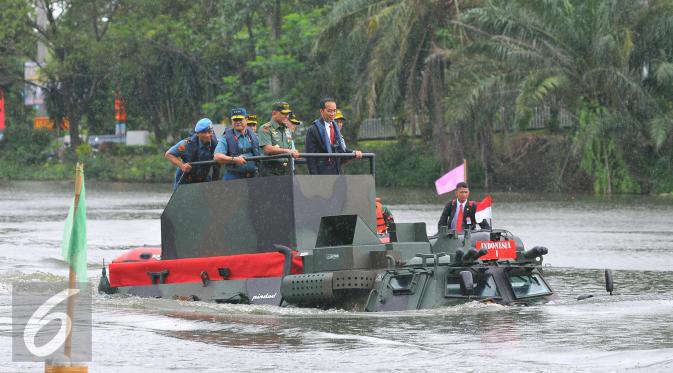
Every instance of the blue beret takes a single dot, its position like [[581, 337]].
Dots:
[[203, 125]]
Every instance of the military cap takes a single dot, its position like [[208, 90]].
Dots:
[[238, 113], [339, 115], [252, 119], [294, 120], [281, 106]]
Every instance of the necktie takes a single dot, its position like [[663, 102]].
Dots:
[[331, 134], [459, 220]]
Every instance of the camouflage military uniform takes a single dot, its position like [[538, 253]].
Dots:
[[274, 134]]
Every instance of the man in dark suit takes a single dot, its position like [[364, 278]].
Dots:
[[324, 136], [465, 211]]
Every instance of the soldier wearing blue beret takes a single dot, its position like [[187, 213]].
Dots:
[[198, 147]]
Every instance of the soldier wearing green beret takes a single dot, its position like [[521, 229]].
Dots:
[[276, 138]]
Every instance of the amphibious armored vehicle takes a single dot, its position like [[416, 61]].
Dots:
[[310, 241]]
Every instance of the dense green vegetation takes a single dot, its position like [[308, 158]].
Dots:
[[38, 157], [469, 74]]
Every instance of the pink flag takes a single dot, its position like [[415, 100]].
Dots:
[[448, 182], [483, 210]]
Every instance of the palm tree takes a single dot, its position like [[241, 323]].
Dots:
[[389, 44], [653, 55], [577, 53]]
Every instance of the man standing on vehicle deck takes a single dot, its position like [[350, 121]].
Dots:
[[459, 213], [237, 144], [196, 148], [276, 138], [324, 136], [252, 122]]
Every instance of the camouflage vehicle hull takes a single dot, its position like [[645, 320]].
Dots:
[[310, 241]]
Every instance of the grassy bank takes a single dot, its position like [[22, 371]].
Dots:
[[528, 161], [404, 163], [37, 155], [107, 167]]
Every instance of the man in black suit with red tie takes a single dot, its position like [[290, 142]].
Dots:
[[324, 136], [465, 215]]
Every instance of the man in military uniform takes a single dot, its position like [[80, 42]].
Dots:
[[294, 122], [292, 125], [339, 119], [276, 138], [384, 218], [196, 148], [236, 145], [252, 122]]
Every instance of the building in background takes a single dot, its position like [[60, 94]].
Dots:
[[34, 88]]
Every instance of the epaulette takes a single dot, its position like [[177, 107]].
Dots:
[[266, 126]]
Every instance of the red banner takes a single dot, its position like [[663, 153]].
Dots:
[[2, 110], [498, 249], [120, 109]]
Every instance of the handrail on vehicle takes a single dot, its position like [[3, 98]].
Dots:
[[368, 156]]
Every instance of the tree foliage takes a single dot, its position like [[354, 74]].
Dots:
[[466, 72], [580, 56], [395, 72]]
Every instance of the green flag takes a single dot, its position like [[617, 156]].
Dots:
[[74, 234]]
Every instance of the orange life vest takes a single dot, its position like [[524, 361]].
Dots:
[[380, 222]]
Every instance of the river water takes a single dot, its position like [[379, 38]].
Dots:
[[631, 330]]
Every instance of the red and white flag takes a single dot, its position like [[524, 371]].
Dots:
[[483, 210]]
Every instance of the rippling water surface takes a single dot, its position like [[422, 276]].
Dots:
[[629, 331]]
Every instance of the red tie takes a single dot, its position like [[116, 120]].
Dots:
[[459, 222], [331, 133]]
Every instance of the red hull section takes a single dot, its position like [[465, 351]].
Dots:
[[139, 254], [135, 273]]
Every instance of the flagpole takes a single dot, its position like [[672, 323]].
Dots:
[[465, 170], [79, 170], [52, 366]]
